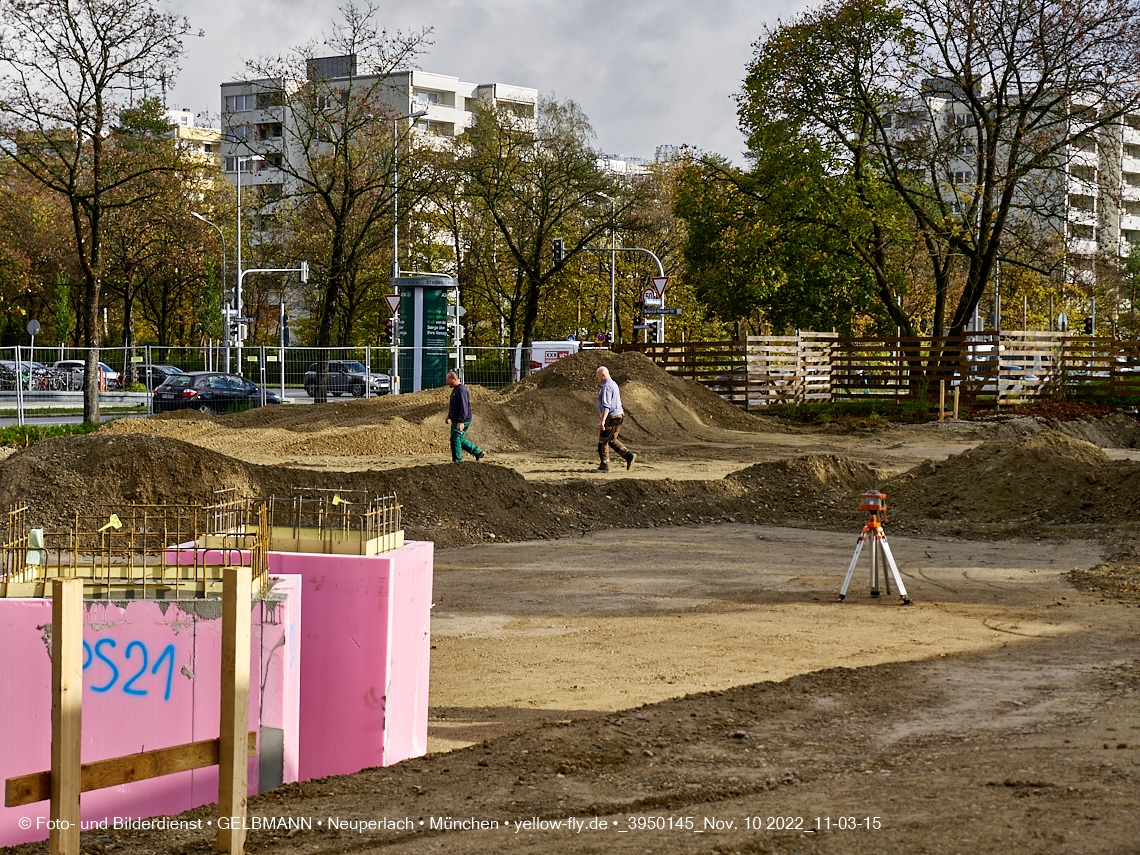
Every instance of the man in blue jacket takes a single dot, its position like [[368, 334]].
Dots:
[[459, 417], [609, 424]]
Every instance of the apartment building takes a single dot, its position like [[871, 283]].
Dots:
[[258, 125], [1091, 208]]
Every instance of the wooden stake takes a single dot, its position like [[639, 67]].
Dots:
[[66, 714], [237, 584], [957, 390], [942, 400]]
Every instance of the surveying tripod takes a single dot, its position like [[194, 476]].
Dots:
[[876, 504]]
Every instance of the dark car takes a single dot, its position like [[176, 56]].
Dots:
[[209, 392], [348, 376], [152, 375]]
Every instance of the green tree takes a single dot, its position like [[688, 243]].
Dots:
[[65, 63], [967, 114], [530, 180]]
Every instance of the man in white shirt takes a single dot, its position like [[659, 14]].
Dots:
[[609, 425]]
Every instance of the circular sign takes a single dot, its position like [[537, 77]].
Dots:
[[1062, 322], [33, 327]]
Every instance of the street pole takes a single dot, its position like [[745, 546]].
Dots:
[[394, 386], [613, 264], [225, 320], [253, 158]]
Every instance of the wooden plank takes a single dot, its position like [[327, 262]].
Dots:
[[28, 789], [237, 585], [66, 714]]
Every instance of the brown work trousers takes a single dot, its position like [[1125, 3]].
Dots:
[[608, 438]]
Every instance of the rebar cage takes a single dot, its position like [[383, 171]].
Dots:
[[179, 551], [136, 551]]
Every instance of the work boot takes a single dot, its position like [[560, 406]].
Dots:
[[629, 458], [479, 456], [604, 466]]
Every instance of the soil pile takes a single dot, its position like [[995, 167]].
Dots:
[[542, 413], [1048, 477]]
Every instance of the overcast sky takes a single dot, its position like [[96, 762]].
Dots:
[[646, 73]]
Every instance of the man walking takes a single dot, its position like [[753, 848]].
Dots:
[[459, 417], [609, 425]]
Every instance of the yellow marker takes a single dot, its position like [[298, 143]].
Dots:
[[113, 523], [337, 500]]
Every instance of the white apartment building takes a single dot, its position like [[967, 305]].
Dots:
[[1093, 207], [256, 121]]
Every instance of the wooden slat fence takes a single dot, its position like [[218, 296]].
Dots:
[[988, 368]]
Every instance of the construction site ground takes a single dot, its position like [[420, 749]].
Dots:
[[656, 660]]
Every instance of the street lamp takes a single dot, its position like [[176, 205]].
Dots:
[[396, 191], [225, 320], [253, 158], [613, 264]]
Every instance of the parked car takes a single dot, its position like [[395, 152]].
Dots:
[[153, 375], [77, 367], [209, 392], [348, 376]]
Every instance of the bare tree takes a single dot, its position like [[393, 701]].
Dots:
[[338, 118], [68, 66]]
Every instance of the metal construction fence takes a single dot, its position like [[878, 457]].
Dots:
[[53, 377], [986, 368]]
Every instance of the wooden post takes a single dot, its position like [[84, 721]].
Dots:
[[237, 583], [957, 390], [942, 400], [66, 714]]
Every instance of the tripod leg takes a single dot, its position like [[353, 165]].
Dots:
[[874, 565], [851, 569], [895, 570], [880, 545]]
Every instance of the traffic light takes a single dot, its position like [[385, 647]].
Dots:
[[388, 329], [1089, 325], [284, 330], [558, 251]]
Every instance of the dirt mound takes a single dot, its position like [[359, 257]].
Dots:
[[1046, 477], [553, 410], [644, 387]]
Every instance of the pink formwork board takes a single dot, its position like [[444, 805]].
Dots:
[[151, 679], [365, 653]]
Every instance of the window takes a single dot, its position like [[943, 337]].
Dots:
[[247, 164], [1083, 173], [964, 120], [1131, 150], [1082, 232], [269, 131], [238, 103], [1132, 209], [428, 97], [1083, 142], [273, 98], [234, 133], [1132, 179], [1082, 203], [964, 177]]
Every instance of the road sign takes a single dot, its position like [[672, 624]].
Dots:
[[658, 283], [661, 312], [643, 326], [393, 301], [651, 298], [1062, 322]]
